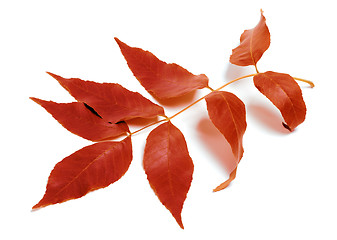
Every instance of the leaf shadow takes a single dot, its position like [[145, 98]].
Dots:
[[177, 101], [267, 117], [217, 143], [139, 122], [233, 71]]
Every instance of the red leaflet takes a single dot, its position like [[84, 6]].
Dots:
[[284, 92], [253, 43], [110, 100], [160, 78], [228, 114], [78, 119], [92, 167], [169, 167]]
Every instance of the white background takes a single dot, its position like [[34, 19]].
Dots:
[[286, 182]]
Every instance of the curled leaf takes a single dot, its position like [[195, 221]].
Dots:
[[228, 114], [161, 79], [253, 43], [284, 92], [225, 184], [90, 168], [168, 167], [80, 120], [110, 100]]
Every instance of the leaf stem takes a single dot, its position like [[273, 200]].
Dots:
[[236, 79], [202, 98], [306, 81], [184, 109], [192, 104], [149, 125], [210, 88], [257, 71]]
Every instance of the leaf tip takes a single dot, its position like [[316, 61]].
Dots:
[[286, 126], [181, 225], [221, 187], [227, 182], [179, 221], [52, 74], [38, 101], [37, 206], [41, 204], [57, 77], [119, 42]]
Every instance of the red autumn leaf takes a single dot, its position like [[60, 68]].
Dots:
[[110, 100], [78, 119], [169, 167], [90, 168], [161, 79], [228, 114], [253, 43], [284, 92]]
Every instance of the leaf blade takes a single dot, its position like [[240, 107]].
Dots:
[[78, 119], [161, 79], [253, 43], [110, 100], [88, 169], [168, 167], [284, 92], [228, 114]]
